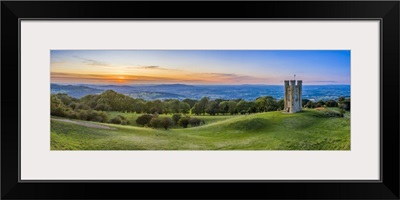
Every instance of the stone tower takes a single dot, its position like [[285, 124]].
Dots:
[[292, 98]]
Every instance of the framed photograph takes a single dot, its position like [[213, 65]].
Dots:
[[192, 96]]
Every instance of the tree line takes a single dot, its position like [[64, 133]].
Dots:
[[93, 107]]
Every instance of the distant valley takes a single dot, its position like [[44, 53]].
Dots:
[[182, 91]]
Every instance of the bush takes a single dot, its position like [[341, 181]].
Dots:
[[116, 120], [103, 107], [176, 117], [82, 107], [97, 119], [194, 121], [331, 103], [331, 113], [73, 105], [71, 114], [165, 122], [346, 104], [154, 122], [184, 121], [144, 119], [83, 115]]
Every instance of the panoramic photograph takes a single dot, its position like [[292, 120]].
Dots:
[[200, 100]]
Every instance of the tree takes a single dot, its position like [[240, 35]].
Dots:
[[82, 107], [184, 107], [310, 104], [138, 106], [242, 107], [232, 107], [165, 122], [331, 103], [224, 107], [176, 117], [347, 104], [281, 104], [252, 108], [158, 106], [103, 107], [173, 106], [57, 107], [320, 103], [203, 105], [184, 121], [261, 104], [73, 105], [190, 102], [196, 109], [340, 100], [144, 119], [154, 122], [148, 105], [304, 102], [212, 108], [65, 99]]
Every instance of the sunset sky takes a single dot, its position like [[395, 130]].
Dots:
[[228, 67]]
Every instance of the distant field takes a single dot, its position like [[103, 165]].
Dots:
[[308, 130]]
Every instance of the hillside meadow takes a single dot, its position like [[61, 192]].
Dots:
[[310, 129]]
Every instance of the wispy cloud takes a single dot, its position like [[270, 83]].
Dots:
[[91, 61], [116, 78], [154, 67], [231, 78]]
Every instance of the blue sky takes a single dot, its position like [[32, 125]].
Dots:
[[229, 67]]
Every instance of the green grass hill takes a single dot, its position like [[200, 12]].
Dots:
[[307, 130]]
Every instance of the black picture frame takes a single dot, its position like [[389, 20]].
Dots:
[[386, 11]]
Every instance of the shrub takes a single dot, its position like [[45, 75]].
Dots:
[[331, 103], [194, 121], [103, 107], [116, 120], [82, 107], [71, 114], [165, 122], [154, 122], [184, 121], [83, 115], [347, 104], [73, 105], [332, 113], [144, 119], [176, 117], [97, 119]]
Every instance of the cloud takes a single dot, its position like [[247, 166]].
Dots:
[[153, 67], [192, 78], [91, 62], [231, 78], [115, 78]]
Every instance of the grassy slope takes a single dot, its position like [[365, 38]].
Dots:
[[308, 130]]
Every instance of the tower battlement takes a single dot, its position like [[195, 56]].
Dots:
[[293, 92]]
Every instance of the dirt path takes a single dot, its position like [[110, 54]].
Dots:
[[82, 123]]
